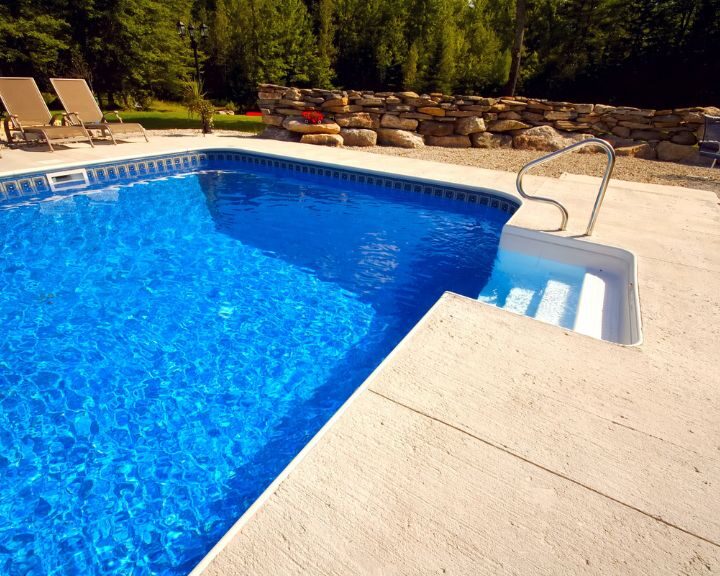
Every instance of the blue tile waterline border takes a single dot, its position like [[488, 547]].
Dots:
[[22, 187]]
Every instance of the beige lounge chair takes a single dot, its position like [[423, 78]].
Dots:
[[82, 109], [29, 115]]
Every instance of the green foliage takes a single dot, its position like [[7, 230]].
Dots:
[[197, 104], [31, 42], [410, 69], [422, 45], [126, 49], [133, 48], [661, 53]]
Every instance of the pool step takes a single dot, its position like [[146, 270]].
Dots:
[[555, 301], [545, 302]]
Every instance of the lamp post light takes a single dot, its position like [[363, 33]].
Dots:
[[193, 33]]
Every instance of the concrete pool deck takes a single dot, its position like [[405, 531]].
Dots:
[[493, 443]]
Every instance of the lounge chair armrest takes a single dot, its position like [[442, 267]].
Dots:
[[72, 119], [14, 120], [11, 124], [117, 115]]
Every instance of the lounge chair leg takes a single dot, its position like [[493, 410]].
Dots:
[[145, 134], [89, 137], [713, 164], [48, 141]]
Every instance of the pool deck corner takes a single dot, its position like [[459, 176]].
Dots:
[[491, 443]]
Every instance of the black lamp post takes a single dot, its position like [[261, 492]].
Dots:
[[193, 33]]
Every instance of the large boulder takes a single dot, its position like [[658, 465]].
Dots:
[[569, 126], [322, 139], [392, 121], [342, 101], [358, 120], [291, 104], [670, 152], [506, 125], [620, 142], [292, 94], [651, 135], [370, 101], [456, 141], [302, 127], [432, 110], [358, 137], [276, 133], [638, 150], [621, 131], [400, 138], [430, 128], [533, 117], [489, 140], [471, 125], [560, 115], [272, 119], [509, 115], [686, 138], [545, 138], [262, 95]]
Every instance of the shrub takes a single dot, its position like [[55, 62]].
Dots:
[[197, 104]]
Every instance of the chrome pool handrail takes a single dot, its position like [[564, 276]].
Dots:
[[609, 150]]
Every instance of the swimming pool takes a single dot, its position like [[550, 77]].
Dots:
[[172, 343], [180, 329]]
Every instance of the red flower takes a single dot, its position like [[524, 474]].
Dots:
[[313, 117]]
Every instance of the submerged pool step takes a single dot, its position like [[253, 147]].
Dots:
[[546, 302], [553, 305], [552, 302], [519, 300], [573, 297]]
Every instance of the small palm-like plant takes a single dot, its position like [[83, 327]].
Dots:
[[198, 105]]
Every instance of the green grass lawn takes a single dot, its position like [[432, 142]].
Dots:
[[168, 115]]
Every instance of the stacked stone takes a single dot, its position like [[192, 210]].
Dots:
[[410, 120]]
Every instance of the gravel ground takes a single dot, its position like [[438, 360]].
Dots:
[[511, 160], [698, 176]]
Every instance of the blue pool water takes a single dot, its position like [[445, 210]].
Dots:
[[169, 346]]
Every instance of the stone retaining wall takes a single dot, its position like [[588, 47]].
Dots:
[[410, 120]]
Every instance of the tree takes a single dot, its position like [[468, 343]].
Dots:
[[658, 54], [483, 58], [410, 69], [325, 32], [31, 42], [521, 9]]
